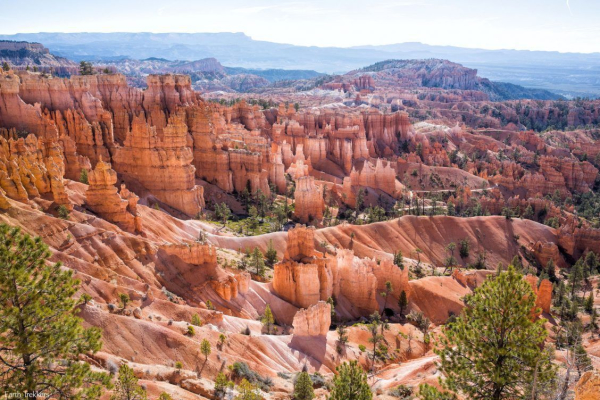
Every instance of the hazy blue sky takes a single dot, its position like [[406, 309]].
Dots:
[[563, 25]]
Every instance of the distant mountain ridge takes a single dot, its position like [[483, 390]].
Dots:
[[448, 75], [570, 74], [23, 54]]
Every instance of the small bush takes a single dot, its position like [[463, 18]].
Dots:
[[402, 392], [63, 212], [196, 320], [246, 331], [112, 367], [362, 348], [241, 370], [178, 365], [191, 331]]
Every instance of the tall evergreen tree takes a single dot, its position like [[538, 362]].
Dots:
[[303, 388], [493, 350], [41, 337], [127, 386], [267, 319], [402, 302], [350, 383]]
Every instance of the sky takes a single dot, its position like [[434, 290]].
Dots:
[[552, 25]]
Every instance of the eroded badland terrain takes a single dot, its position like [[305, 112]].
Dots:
[[325, 199]]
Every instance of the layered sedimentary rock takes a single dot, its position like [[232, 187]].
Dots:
[[232, 286], [193, 253], [313, 321], [31, 167], [309, 200], [305, 276], [102, 198], [588, 387], [543, 293], [162, 164]]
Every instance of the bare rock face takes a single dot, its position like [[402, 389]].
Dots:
[[162, 165], [588, 387], [30, 167], [297, 283], [309, 200], [232, 286], [103, 199], [301, 243], [543, 294], [194, 253], [313, 321], [305, 276]]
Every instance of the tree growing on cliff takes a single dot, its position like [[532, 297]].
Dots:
[[41, 338], [257, 262], [271, 255], [398, 259], [5, 66], [303, 387], [268, 320], [127, 387], [85, 68], [493, 350], [350, 383], [402, 302], [83, 176], [222, 212], [205, 349], [389, 289]]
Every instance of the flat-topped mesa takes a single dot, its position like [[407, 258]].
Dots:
[[162, 165], [102, 198], [309, 200], [313, 321]]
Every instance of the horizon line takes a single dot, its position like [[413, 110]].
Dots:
[[353, 47]]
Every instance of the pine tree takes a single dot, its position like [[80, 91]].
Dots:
[[127, 387], [271, 255], [205, 349], [388, 290], [576, 277], [402, 302], [85, 68], [267, 319], [528, 214], [221, 385], [591, 262], [247, 391], [399, 260], [83, 176], [428, 392], [493, 350], [303, 388], [41, 338], [350, 383], [450, 209], [588, 304], [258, 262], [5, 66], [551, 269]]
